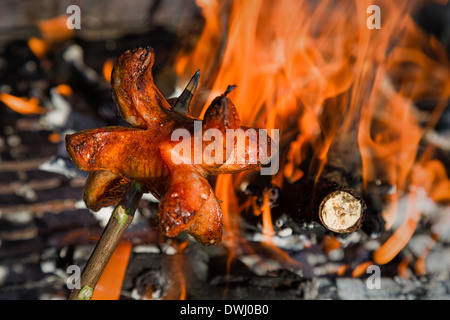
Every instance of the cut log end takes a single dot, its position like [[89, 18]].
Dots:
[[342, 211]]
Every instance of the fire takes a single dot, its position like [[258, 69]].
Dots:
[[420, 267], [267, 218], [231, 238], [55, 29], [64, 89], [401, 235], [316, 72], [330, 243], [361, 269]]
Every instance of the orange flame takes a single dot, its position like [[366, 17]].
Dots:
[[430, 177], [64, 89], [177, 290], [330, 243], [231, 221], [316, 71], [361, 269], [402, 268], [55, 29], [107, 69], [341, 269], [420, 267], [268, 231]]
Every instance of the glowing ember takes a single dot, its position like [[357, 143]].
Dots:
[[107, 69], [55, 29]]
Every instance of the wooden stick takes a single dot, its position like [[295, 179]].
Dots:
[[119, 221]]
